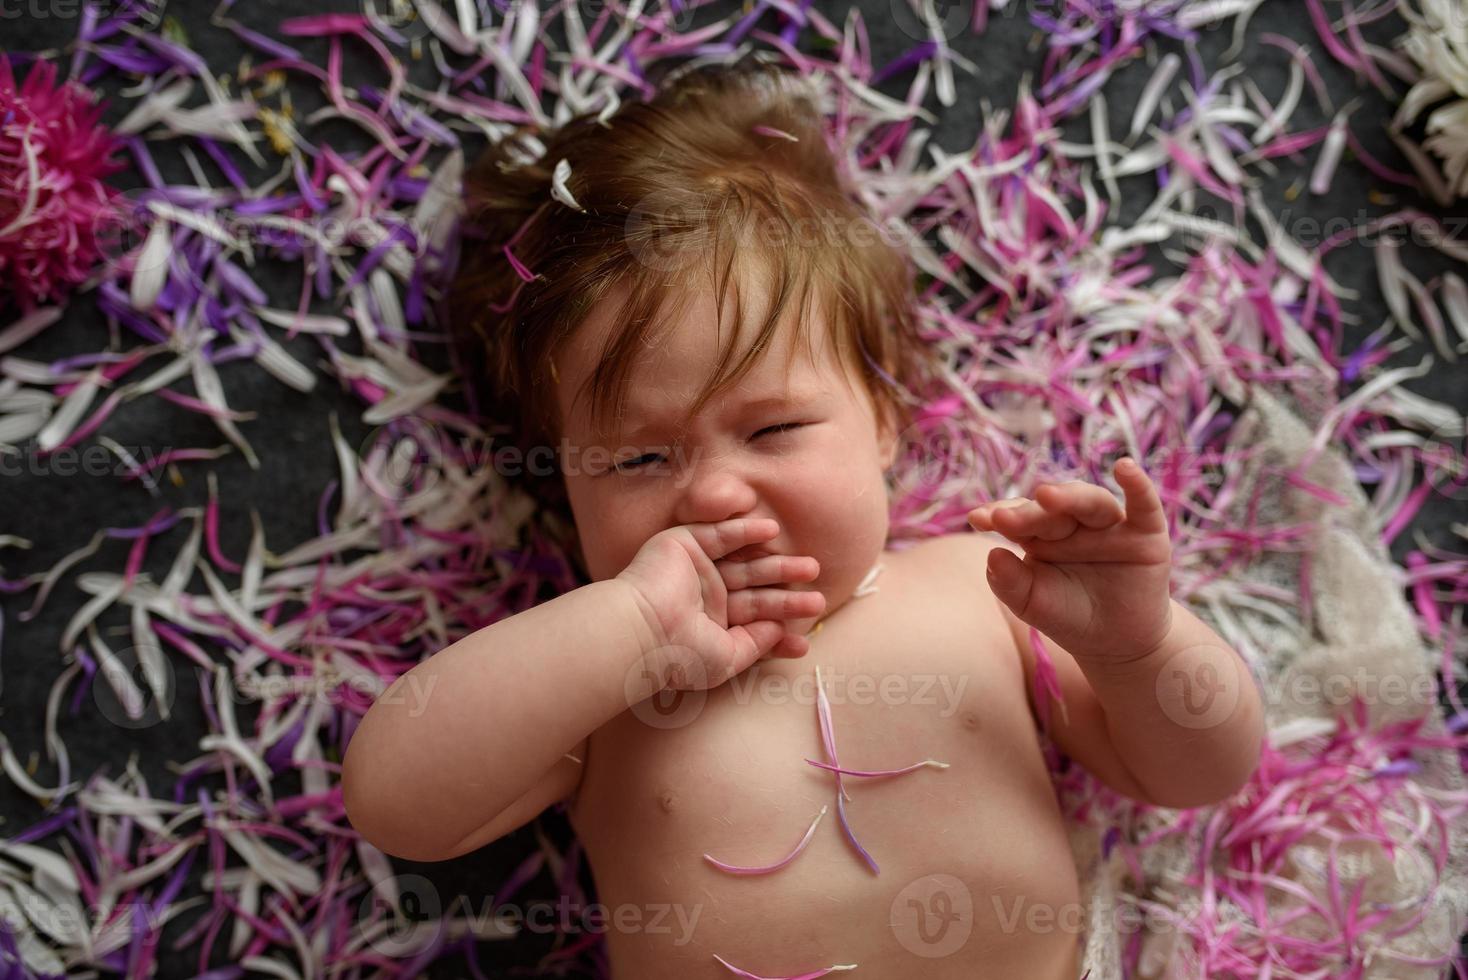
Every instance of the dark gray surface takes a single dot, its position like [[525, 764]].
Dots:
[[59, 512]]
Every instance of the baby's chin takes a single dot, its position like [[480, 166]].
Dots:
[[805, 624]]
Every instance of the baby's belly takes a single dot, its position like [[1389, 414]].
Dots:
[[976, 878]]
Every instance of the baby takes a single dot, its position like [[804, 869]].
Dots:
[[748, 655]]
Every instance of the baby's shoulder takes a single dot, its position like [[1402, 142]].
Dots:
[[948, 576], [944, 555], [954, 566]]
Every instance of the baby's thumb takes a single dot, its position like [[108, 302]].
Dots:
[[1040, 594], [1011, 580]]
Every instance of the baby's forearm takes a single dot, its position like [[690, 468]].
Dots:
[[464, 734], [1185, 719]]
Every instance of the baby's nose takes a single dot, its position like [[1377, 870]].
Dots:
[[713, 491]]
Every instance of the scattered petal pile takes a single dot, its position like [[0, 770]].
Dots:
[[1061, 347]]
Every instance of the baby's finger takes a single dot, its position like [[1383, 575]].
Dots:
[[1095, 507], [982, 517], [769, 570], [1143, 506], [749, 605], [1019, 518], [756, 640], [722, 537], [790, 647]]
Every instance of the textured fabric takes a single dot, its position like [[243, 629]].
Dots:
[[1358, 618]]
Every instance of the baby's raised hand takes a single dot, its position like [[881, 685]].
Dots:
[[712, 616], [1095, 575]]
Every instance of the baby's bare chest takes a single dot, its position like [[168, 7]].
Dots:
[[723, 774]]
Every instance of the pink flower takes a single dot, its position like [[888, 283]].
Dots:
[[53, 156]]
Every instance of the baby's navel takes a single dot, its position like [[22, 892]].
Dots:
[[970, 720], [667, 801]]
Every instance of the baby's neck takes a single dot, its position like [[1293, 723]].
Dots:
[[867, 587]]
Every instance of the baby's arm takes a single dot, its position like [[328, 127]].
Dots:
[[459, 740], [1180, 727], [1159, 706]]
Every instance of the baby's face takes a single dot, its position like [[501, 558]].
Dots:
[[821, 477]]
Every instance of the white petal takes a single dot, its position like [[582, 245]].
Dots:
[[559, 191], [70, 413], [305, 322], [28, 326], [211, 392], [407, 400], [89, 612]]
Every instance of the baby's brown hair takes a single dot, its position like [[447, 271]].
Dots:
[[724, 166]]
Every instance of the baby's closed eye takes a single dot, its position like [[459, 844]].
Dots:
[[647, 460], [781, 427]]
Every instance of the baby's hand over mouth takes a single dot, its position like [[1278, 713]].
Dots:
[[1095, 576], [711, 615]]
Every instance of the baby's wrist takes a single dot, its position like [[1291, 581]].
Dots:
[[642, 616]]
